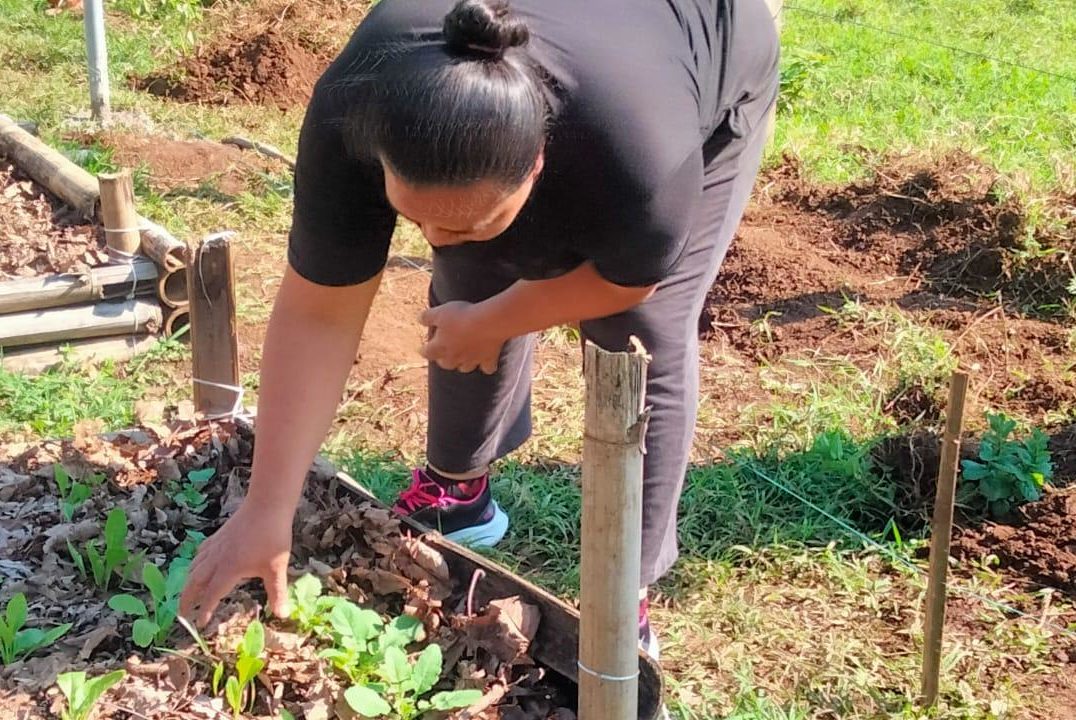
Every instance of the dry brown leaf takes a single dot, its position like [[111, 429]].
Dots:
[[280, 641], [93, 638], [428, 559], [505, 629]]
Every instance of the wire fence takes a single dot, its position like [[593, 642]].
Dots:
[[841, 20]]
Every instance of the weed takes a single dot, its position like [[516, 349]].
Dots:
[[15, 642], [189, 547], [73, 492], [153, 623], [82, 693], [248, 664], [116, 558], [402, 686], [1009, 472]]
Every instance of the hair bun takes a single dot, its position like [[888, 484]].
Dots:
[[483, 29]]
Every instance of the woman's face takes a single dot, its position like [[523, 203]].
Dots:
[[453, 215]]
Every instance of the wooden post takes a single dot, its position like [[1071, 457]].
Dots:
[[99, 283], [941, 533], [214, 338], [118, 212], [93, 16], [614, 429]]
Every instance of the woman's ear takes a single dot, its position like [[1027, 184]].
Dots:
[[539, 163]]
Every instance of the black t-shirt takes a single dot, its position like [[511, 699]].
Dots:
[[636, 87]]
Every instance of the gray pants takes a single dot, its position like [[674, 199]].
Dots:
[[477, 418]]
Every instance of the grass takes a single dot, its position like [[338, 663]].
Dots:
[[853, 93]]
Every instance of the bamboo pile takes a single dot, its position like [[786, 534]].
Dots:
[[110, 312]]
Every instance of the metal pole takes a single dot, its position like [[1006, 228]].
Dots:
[[97, 59]]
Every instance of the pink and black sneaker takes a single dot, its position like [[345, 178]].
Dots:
[[648, 640], [463, 512]]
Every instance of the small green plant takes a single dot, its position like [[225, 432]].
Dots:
[[402, 686], [15, 642], [72, 492], [82, 693], [360, 637], [153, 623], [115, 560], [248, 664], [189, 547], [1009, 472], [189, 494]]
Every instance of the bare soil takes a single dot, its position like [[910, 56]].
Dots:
[[934, 240], [172, 164], [361, 552], [264, 53], [39, 234]]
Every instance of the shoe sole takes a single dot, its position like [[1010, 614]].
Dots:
[[484, 535]]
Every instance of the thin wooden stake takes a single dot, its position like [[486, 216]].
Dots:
[[940, 535], [214, 338], [118, 212], [615, 426]]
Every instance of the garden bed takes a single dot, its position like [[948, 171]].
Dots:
[[39, 234], [169, 484]]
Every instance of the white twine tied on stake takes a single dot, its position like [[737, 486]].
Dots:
[[125, 258]]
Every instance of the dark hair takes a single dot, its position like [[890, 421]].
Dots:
[[449, 113]]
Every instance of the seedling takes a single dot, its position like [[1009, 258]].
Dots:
[[16, 643], [360, 637], [190, 494], [82, 693], [115, 559], [72, 492], [153, 623], [248, 664], [403, 685], [1009, 472], [189, 547]]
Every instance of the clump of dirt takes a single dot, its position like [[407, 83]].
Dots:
[[40, 234], [171, 164], [1040, 544], [949, 222], [264, 54]]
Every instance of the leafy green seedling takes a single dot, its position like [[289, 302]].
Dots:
[[402, 686], [16, 643], [1009, 472], [355, 631], [115, 559], [153, 623], [189, 547], [82, 693], [248, 664], [190, 494], [72, 492]]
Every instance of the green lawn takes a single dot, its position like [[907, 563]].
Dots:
[[854, 93]]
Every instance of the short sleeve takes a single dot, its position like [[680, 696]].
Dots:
[[646, 232], [342, 224]]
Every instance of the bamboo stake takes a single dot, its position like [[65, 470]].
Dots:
[[940, 536], [35, 360], [172, 288], [100, 283], [162, 246], [118, 214], [63, 178], [214, 339], [109, 317], [93, 12], [615, 426]]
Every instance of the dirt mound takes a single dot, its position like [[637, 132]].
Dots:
[[1041, 545], [948, 222], [269, 53], [172, 164], [267, 69], [39, 234]]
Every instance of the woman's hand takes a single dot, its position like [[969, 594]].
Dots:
[[461, 338], [255, 542]]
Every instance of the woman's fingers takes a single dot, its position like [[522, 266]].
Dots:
[[489, 367], [276, 586]]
